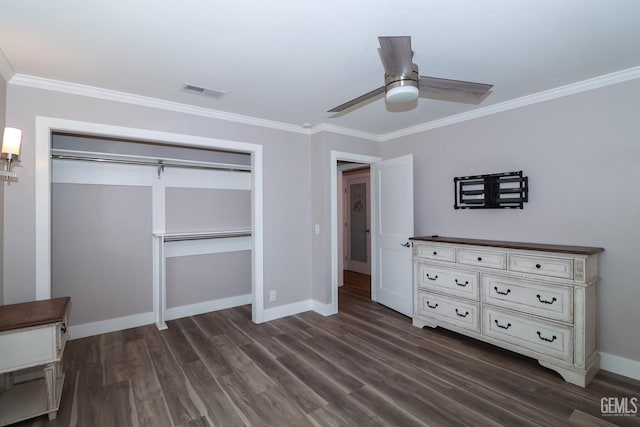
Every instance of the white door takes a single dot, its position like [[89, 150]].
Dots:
[[392, 205], [357, 220]]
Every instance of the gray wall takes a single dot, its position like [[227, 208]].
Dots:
[[197, 278], [287, 232], [101, 250], [3, 103], [199, 209], [582, 156]]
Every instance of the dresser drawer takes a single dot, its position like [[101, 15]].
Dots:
[[545, 266], [435, 252], [551, 301], [536, 335], [482, 258], [447, 280], [448, 310]]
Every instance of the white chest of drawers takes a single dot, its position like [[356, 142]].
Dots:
[[535, 299]]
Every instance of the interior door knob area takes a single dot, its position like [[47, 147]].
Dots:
[[405, 244]]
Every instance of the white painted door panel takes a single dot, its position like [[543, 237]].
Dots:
[[393, 210]]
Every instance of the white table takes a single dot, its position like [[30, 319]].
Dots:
[[32, 334]]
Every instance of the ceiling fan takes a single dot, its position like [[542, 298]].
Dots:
[[403, 84]]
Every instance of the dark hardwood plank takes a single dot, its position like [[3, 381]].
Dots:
[[365, 366], [219, 407], [295, 389], [171, 379]]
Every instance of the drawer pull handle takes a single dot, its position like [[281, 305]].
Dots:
[[432, 306], [504, 327], [546, 339], [432, 278], [462, 315], [502, 293], [538, 266], [63, 328], [466, 282], [554, 299], [435, 253], [479, 258]]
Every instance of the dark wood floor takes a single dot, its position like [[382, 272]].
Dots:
[[365, 366], [358, 285]]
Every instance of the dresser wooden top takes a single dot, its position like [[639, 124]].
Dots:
[[578, 250], [35, 313]]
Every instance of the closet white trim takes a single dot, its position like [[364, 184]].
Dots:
[[45, 126]]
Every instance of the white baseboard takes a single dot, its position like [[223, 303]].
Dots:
[[206, 306], [110, 325], [286, 310], [620, 365], [135, 320], [297, 308], [324, 309]]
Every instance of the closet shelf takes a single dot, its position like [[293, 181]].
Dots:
[[92, 156]]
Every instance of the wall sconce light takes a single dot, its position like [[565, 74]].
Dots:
[[11, 141]]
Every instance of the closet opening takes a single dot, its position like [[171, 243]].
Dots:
[[144, 231]]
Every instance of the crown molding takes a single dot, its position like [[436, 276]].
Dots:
[[6, 70], [325, 127], [11, 77], [547, 95], [145, 101]]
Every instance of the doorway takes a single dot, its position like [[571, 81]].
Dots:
[[356, 223], [392, 219]]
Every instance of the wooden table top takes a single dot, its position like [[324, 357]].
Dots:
[[34, 313], [578, 250]]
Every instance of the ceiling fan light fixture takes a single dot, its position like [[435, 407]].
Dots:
[[402, 94]]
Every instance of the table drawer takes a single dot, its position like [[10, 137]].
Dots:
[[536, 335], [435, 252], [449, 310], [62, 332], [545, 266], [447, 280], [482, 258], [551, 301]]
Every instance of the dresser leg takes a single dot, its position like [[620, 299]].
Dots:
[[50, 379], [421, 324]]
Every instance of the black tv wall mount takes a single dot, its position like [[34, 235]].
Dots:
[[508, 190]]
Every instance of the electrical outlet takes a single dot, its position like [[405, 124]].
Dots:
[[272, 296]]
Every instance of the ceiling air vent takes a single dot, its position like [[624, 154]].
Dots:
[[203, 91]]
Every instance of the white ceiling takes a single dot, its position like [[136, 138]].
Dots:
[[290, 61]]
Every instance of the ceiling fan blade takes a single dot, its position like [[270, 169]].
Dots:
[[357, 100], [396, 55], [438, 86]]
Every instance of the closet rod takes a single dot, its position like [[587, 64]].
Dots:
[[219, 235], [158, 164]]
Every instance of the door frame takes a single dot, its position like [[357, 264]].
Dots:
[[348, 157], [44, 128]]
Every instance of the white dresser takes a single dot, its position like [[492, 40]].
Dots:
[[539, 300]]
